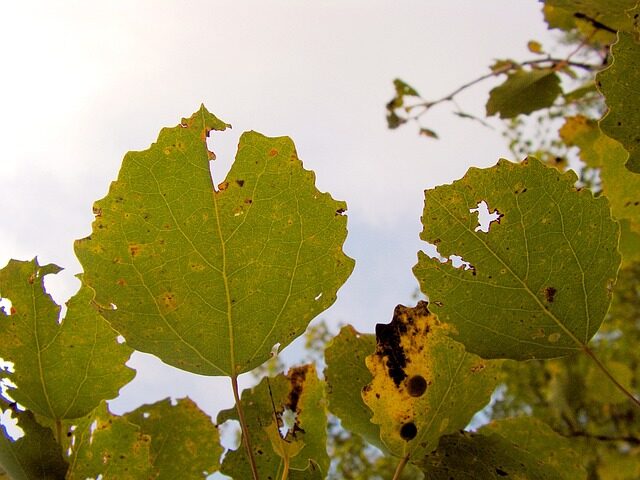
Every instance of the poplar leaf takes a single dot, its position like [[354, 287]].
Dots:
[[210, 280], [607, 15], [538, 283], [184, 441], [424, 384], [62, 370], [523, 92], [513, 448], [294, 403], [346, 375], [619, 84], [36, 455]]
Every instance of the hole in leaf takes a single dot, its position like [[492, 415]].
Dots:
[[408, 431], [6, 306], [288, 418], [92, 429], [318, 297], [146, 415], [230, 434], [7, 366], [416, 386], [10, 425], [224, 146], [485, 217], [120, 339]]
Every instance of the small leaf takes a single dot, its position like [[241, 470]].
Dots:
[[108, 445], [516, 448], [535, 47], [61, 370], [523, 92], [36, 455], [424, 383], [346, 375], [426, 132], [210, 280], [298, 395], [619, 84], [184, 441], [404, 89], [538, 283]]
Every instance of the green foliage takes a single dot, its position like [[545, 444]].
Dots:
[[211, 279]]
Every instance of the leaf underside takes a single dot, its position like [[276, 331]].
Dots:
[[523, 92], [538, 283], [210, 280]]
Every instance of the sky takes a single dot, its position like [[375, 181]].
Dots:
[[85, 82]]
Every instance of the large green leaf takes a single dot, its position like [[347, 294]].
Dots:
[[523, 92], [108, 445], [210, 280], [619, 84], [424, 384], [36, 455], [346, 375], [61, 370], [298, 398], [184, 441], [538, 283], [519, 448]]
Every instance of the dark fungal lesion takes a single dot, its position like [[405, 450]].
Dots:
[[389, 339], [550, 294]]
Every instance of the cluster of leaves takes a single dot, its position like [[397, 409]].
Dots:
[[213, 280]]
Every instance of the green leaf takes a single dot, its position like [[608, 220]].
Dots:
[[538, 283], [346, 375], [61, 370], [210, 280], [424, 383], [619, 84], [184, 441], [108, 445], [297, 397], [516, 448], [597, 14], [523, 92], [36, 455]]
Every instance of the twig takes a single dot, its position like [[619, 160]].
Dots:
[[400, 467]]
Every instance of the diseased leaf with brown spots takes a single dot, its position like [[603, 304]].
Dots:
[[424, 384], [538, 283], [210, 280], [297, 400]]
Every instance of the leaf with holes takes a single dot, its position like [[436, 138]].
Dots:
[[293, 404], [538, 283], [61, 370], [210, 280], [523, 92], [184, 441], [424, 384], [346, 375], [514, 448], [34, 455], [619, 84], [106, 445]]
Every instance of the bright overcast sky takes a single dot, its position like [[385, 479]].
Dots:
[[83, 82]]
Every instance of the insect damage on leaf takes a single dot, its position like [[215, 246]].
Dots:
[[424, 383]]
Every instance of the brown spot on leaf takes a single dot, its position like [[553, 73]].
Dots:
[[121, 282], [240, 183], [273, 152], [408, 431], [416, 386], [223, 186], [134, 249], [168, 301], [12, 310], [550, 294]]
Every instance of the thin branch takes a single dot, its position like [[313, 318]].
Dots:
[[604, 370], [606, 438], [400, 468], [246, 439]]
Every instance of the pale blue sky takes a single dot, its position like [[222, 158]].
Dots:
[[84, 82]]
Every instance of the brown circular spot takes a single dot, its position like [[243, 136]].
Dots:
[[408, 431], [416, 386]]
